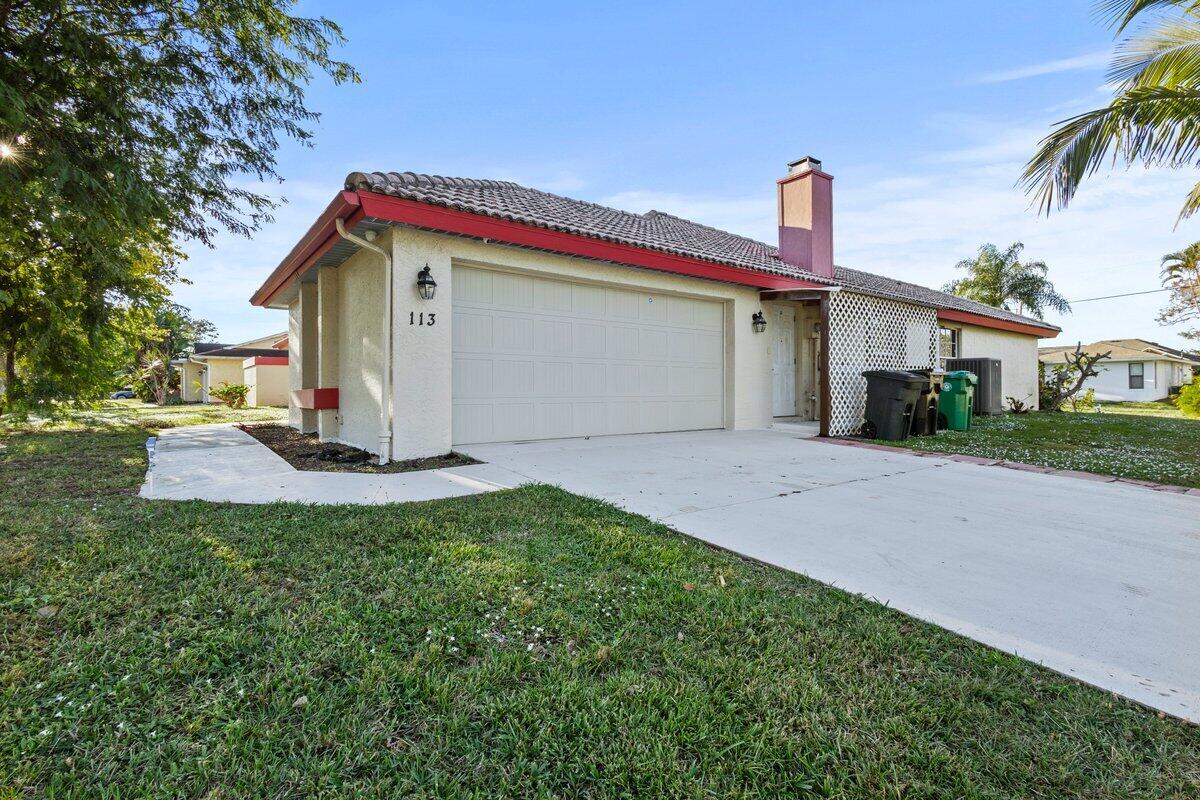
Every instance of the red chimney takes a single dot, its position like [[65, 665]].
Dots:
[[806, 217]]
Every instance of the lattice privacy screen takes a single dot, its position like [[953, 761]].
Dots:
[[872, 333]]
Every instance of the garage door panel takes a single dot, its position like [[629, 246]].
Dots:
[[622, 304], [473, 286], [624, 341], [590, 301], [591, 379], [513, 334], [655, 380], [653, 308], [590, 339], [511, 291], [555, 378], [552, 296], [472, 378], [555, 420], [473, 332], [654, 344], [553, 337], [514, 379], [580, 360], [515, 421]]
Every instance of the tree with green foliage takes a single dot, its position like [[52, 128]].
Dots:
[[999, 278], [1181, 274], [172, 332], [125, 129], [1154, 118]]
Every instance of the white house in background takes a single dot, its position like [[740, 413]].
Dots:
[[553, 317], [261, 364], [1138, 369]]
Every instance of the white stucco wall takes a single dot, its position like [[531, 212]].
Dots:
[[360, 339], [1112, 382], [1018, 359], [423, 354], [268, 383], [190, 382], [294, 360], [218, 371]]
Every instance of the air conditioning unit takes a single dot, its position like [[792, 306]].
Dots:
[[988, 399]]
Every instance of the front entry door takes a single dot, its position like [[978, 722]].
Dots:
[[783, 329]]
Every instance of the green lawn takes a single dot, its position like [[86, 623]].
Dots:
[[1148, 441], [523, 643]]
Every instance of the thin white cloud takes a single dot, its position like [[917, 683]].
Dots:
[[918, 217], [1081, 63]]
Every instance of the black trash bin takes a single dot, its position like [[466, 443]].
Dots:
[[925, 413], [891, 397]]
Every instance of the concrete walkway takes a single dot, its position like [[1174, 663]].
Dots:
[[1100, 581], [224, 464]]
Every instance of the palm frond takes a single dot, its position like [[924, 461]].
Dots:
[[1165, 55], [1151, 125], [1121, 13]]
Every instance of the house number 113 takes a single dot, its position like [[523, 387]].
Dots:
[[421, 319]]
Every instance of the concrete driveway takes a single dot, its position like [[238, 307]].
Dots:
[[1100, 581]]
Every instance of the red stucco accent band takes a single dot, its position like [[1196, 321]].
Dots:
[[315, 399], [269, 361], [950, 315]]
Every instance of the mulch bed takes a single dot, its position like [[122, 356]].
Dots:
[[305, 452]]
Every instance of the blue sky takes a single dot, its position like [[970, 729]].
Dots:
[[924, 113]]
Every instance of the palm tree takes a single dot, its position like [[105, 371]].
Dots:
[[1154, 119], [1001, 279], [1181, 274]]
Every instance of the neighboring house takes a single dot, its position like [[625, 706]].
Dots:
[[1138, 369], [554, 317], [261, 364]]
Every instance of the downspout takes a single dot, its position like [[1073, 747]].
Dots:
[[385, 402]]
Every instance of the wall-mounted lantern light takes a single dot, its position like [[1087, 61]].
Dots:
[[758, 322], [426, 285]]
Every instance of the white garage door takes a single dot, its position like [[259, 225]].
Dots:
[[536, 358]]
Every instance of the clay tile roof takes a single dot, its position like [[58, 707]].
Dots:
[[654, 230]]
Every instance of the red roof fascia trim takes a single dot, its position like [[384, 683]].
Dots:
[[448, 220], [268, 361], [951, 315], [319, 238]]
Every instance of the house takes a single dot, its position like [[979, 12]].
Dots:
[[427, 312], [260, 364], [1138, 369]]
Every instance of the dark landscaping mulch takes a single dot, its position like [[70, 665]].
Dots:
[[305, 452]]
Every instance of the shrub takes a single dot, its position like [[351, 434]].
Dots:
[[1189, 400], [231, 394], [1083, 402]]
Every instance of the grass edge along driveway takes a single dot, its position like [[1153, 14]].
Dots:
[[521, 643], [1146, 441]]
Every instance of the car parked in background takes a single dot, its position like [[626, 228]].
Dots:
[[122, 394]]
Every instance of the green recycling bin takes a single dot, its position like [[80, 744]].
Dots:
[[956, 401]]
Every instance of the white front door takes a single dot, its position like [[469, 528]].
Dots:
[[539, 358], [782, 327]]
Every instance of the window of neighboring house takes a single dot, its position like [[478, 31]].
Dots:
[[948, 343], [1137, 375]]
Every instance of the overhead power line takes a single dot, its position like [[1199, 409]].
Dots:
[[1114, 296]]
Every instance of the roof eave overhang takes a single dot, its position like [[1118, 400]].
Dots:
[[984, 321], [355, 206], [320, 236]]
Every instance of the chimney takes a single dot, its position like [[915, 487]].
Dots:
[[806, 217]]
